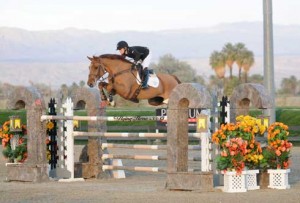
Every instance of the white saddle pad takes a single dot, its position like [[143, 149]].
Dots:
[[153, 80]]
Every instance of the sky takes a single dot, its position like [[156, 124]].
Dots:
[[139, 15]]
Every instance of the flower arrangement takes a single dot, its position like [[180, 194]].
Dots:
[[250, 125], [246, 129], [277, 153], [20, 152], [232, 155]]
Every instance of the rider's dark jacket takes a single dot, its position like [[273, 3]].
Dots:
[[137, 53]]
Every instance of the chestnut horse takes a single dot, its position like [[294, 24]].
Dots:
[[119, 76]]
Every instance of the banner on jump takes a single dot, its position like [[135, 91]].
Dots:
[[192, 115]]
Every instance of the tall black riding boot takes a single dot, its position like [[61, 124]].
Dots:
[[145, 78], [139, 69]]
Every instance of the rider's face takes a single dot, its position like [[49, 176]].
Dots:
[[122, 51]]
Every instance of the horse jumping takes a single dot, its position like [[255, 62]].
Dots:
[[119, 76]]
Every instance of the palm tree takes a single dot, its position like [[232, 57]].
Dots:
[[229, 52], [241, 52], [217, 62], [248, 63], [289, 85]]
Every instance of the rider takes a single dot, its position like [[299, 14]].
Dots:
[[139, 54]]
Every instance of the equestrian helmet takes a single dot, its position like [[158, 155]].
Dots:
[[122, 44]]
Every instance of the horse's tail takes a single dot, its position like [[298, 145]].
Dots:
[[176, 78]]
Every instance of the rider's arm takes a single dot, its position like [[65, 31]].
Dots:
[[137, 56]]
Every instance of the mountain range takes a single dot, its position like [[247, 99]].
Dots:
[[59, 56]]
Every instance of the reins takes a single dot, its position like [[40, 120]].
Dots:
[[112, 76]]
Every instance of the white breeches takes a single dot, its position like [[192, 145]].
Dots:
[[147, 61]]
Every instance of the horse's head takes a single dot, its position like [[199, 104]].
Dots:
[[96, 71]]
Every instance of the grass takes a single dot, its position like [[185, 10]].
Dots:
[[5, 114]]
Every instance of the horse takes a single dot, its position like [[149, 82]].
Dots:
[[119, 76]]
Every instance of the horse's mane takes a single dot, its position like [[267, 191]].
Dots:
[[115, 56]]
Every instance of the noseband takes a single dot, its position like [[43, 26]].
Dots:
[[104, 72]]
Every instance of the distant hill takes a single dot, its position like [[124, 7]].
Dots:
[[59, 56]]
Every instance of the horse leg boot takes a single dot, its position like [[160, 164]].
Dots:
[[145, 78]]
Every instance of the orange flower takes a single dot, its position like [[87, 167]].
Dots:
[[21, 140], [224, 153], [277, 152], [234, 146]]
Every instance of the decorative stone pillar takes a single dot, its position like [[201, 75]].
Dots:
[[184, 96], [90, 98], [246, 95], [34, 169]]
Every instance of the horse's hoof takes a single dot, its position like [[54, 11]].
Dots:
[[113, 103]]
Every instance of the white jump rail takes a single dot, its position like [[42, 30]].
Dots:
[[147, 135], [140, 168], [104, 118], [142, 157], [140, 146]]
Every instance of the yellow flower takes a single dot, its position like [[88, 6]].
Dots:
[[50, 125], [262, 129], [48, 154]]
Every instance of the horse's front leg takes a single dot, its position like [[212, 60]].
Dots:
[[109, 100], [101, 86], [104, 100]]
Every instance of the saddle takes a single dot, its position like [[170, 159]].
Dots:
[[153, 79]]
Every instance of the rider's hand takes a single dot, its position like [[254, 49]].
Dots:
[[138, 62]]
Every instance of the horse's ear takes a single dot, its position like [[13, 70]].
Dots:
[[90, 58]]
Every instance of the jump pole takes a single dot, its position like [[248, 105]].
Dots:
[[104, 118], [142, 157], [147, 135], [140, 168], [153, 147]]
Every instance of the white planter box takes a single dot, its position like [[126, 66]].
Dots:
[[278, 178], [251, 180], [234, 182]]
